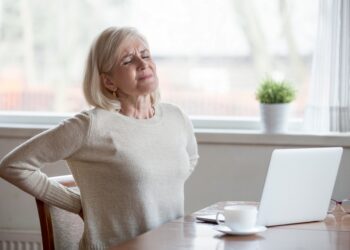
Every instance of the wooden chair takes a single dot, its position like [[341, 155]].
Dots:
[[60, 229]]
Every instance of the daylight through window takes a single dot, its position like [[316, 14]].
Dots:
[[210, 55]]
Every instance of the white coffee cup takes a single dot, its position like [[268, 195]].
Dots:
[[238, 217]]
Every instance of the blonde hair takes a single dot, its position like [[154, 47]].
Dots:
[[101, 59]]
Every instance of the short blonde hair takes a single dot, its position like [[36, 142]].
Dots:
[[101, 59]]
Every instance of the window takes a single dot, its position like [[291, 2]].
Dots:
[[210, 55]]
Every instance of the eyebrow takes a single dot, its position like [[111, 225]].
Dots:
[[130, 53]]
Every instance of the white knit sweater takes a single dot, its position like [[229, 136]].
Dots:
[[130, 172]]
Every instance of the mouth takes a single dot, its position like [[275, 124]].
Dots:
[[144, 77]]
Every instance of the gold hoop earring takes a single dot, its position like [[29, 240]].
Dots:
[[115, 93]]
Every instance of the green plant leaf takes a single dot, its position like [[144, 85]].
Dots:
[[271, 91]]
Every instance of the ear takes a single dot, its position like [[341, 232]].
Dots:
[[107, 82]]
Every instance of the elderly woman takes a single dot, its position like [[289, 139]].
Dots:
[[130, 155]]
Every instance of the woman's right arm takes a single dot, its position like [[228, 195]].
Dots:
[[21, 166]]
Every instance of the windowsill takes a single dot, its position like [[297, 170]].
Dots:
[[216, 136], [256, 137]]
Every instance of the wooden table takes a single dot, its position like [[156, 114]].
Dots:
[[187, 233]]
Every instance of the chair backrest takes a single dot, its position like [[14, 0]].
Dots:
[[60, 229]]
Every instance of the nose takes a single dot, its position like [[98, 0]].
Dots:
[[142, 64]]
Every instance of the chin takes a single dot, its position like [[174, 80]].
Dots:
[[149, 86]]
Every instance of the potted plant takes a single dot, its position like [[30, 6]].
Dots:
[[275, 98]]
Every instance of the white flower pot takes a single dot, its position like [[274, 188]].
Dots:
[[274, 117]]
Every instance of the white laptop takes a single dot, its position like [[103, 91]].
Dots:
[[299, 185]]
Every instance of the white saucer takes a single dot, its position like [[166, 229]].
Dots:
[[227, 230]]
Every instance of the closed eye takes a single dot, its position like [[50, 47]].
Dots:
[[145, 54], [127, 60]]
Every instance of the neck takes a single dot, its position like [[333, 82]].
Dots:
[[139, 108]]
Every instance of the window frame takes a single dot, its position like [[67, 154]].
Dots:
[[21, 119]]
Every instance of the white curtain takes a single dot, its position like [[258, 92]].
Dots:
[[328, 108]]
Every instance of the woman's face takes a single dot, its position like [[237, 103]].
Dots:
[[134, 73]]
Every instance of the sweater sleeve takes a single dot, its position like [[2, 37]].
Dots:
[[21, 166], [191, 147]]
